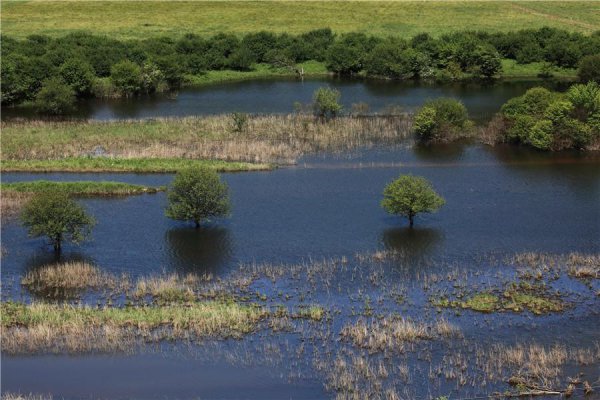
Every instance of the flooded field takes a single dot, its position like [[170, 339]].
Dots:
[[498, 292]]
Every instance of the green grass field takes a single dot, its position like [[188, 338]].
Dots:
[[132, 19]]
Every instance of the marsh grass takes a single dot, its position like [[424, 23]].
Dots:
[[391, 333], [138, 165], [80, 188], [40, 327], [58, 280], [11, 203], [37, 145], [515, 297], [19, 396], [169, 289]]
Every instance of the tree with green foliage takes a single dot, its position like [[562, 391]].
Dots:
[[343, 59], [589, 69], [326, 102], [197, 194], [549, 120], [442, 120], [55, 97], [410, 195], [78, 74], [127, 77], [58, 217]]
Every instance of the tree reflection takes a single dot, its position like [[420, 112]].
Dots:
[[203, 250], [412, 243]]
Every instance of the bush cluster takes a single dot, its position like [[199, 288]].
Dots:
[[550, 120], [442, 120], [98, 65]]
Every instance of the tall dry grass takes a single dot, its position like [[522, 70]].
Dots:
[[12, 202], [75, 275], [264, 138]]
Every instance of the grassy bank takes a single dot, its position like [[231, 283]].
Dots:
[[80, 188], [310, 68], [138, 165], [123, 19], [167, 145], [511, 69]]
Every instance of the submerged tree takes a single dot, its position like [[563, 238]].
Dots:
[[409, 195], [55, 215], [197, 194], [326, 102]]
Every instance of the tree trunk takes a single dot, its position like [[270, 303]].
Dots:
[[57, 243], [411, 220], [197, 224]]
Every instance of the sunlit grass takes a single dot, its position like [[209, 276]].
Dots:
[[123, 19]]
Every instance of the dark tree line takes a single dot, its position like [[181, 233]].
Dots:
[[82, 64]]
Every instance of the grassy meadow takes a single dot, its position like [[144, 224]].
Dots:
[[132, 20]]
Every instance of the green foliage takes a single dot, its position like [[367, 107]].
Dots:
[[442, 119], [78, 74], [326, 102], [55, 97], [240, 121], [79, 188], [56, 216], [127, 77], [552, 121], [589, 68], [197, 194], [410, 195]]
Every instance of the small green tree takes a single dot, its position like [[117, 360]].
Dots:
[[127, 77], [409, 195], [78, 74], [55, 97], [197, 194], [442, 120], [56, 216], [326, 102]]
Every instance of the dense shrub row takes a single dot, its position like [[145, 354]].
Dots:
[[550, 120], [97, 65]]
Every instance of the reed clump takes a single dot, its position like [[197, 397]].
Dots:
[[71, 276], [264, 139], [392, 333]]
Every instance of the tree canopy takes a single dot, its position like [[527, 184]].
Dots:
[[410, 195]]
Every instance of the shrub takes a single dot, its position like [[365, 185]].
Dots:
[[240, 121], [326, 102], [55, 97], [552, 121], [197, 194], [127, 77], [589, 69], [56, 216], [78, 74], [442, 119], [410, 195]]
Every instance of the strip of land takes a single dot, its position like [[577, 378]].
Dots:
[[80, 188], [168, 145]]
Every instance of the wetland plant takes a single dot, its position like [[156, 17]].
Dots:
[[197, 194], [409, 195]]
